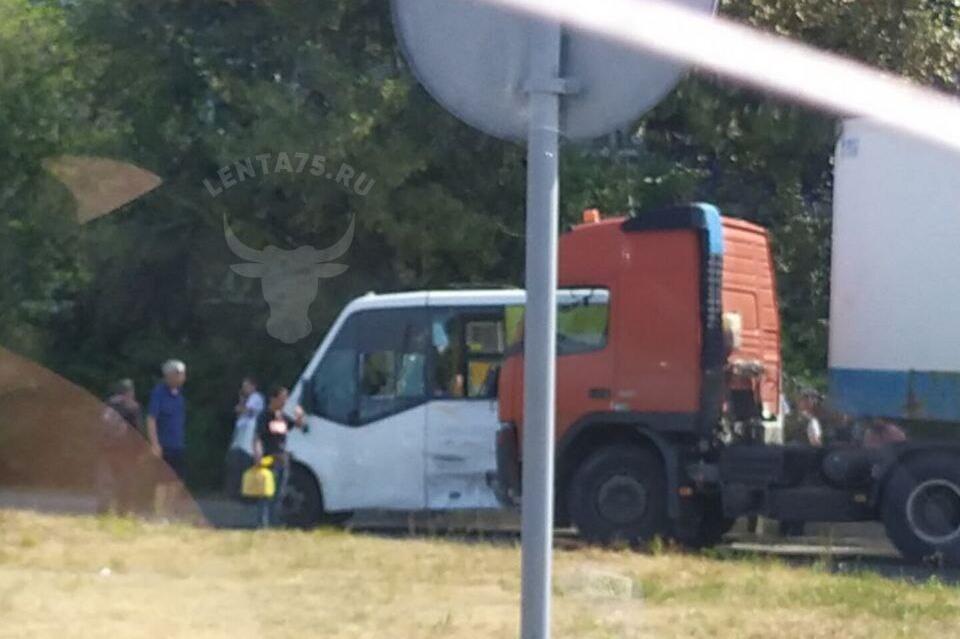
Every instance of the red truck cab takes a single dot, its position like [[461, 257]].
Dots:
[[667, 321]]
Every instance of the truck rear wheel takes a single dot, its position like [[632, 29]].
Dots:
[[921, 508], [619, 494]]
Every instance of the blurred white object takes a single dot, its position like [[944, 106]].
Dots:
[[772, 63]]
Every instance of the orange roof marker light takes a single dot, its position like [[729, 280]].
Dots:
[[591, 216]]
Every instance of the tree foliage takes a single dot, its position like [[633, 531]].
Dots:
[[187, 89]]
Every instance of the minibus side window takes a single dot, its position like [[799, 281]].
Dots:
[[392, 355], [447, 341], [376, 367], [334, 383], [468, 345], [485, 342]]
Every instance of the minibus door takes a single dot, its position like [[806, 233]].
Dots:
[[462, 413]]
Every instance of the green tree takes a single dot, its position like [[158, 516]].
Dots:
[[45, 110]]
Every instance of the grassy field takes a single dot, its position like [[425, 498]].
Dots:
[[88, 577]]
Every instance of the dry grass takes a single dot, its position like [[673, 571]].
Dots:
[[177, 581]]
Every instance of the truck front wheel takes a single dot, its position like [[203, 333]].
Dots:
[[619, 494], [921, 508]]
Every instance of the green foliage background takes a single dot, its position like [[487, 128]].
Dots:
[[184, 87]]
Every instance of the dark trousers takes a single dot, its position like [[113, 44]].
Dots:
[[268, 509]]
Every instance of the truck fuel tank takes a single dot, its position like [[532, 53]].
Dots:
[[848, 467], [768, 465]]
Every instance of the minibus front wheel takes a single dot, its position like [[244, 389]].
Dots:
[[302, 505]]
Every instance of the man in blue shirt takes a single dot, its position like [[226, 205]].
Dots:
[[166, 429]]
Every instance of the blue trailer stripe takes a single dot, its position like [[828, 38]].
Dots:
[[925, 395]]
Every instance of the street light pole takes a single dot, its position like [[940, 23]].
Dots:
[[470, 55]]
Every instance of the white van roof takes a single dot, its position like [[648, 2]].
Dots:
[[468, 297]]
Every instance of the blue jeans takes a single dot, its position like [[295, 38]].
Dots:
[[267, 514]]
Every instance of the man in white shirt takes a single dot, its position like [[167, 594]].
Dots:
[[250, 404], [809, 406], [808, 403]]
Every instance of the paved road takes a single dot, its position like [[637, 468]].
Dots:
[[221, 512]]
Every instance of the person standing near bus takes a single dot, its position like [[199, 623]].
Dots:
[[270, 439], [120, 446], [250, 404], [809, 404], [166, 430]]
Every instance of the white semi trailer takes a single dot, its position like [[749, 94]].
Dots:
[[895, 288]]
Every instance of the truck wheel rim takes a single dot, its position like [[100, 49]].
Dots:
[[622, 499], [933, 511]]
